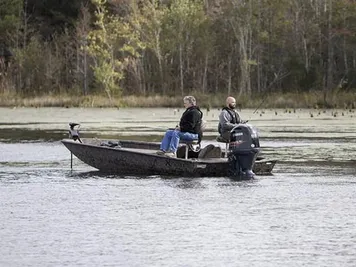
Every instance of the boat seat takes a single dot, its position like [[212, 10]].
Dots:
[[210, 151], [221, 139], [193, 145]]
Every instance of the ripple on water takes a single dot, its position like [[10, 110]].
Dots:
[[302, 215]]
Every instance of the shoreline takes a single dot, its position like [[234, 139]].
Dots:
[[346, 100]]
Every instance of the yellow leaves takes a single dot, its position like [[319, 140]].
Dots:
[[98, 2], [110, 44], [252, 62], [264, 35], [129, 49]]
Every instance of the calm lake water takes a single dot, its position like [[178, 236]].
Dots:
[[302, 215]]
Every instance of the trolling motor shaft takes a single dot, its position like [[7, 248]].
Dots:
[[74, 132]]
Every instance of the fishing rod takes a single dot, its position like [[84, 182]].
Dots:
[[276, 79]]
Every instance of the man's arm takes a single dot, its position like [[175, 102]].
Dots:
[[190, 121], [186, 122]]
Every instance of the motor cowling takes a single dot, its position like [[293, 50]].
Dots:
[[244, 148]]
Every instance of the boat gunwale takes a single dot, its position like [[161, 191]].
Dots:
[[139, 151]]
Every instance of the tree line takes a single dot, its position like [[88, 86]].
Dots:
[[175, 47]]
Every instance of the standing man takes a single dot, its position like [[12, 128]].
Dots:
[[189, 128], [228, 118]]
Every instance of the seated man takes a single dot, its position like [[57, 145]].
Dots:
[[189, 128], [228, 119]]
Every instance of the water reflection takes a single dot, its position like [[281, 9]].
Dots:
[[184, 183], [95, 174]]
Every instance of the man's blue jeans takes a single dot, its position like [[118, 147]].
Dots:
[[171, 139]]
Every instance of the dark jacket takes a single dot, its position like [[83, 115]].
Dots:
[[191, 121]]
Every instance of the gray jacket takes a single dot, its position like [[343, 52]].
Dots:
[[228, 119]]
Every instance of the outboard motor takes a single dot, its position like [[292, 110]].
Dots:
[[244, 148], [74, 132]]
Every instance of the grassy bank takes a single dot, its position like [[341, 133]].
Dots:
[[288, 100]]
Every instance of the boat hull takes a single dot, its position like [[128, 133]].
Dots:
[[139, 158]]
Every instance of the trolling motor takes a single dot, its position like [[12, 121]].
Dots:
[[74, 132], [244, 148]]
